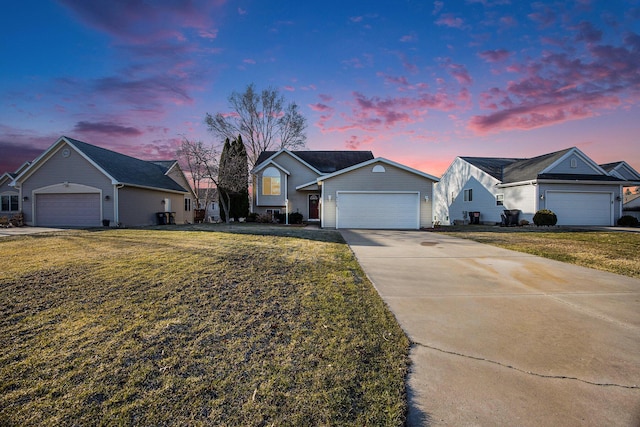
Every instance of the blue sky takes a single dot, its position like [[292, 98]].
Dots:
[[413, 81]]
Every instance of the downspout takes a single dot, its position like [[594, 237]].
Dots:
[[116, 203]]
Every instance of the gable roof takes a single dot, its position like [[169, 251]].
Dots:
[[622, 170], [512, 170], [379, 160], [323, 161], [120, 168]]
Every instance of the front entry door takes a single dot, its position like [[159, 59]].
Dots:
[[314, 212]]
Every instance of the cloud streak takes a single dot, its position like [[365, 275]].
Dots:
[[565, 85]]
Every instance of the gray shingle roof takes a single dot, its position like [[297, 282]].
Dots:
[[129, 170], [326, 161], [508, 170]]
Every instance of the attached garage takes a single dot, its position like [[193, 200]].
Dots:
[[68, 210], [378, 210], [581, 208]]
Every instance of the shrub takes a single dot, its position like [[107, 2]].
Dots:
[[252, 217], [545, 217], [295, 218], [524, 222], [628, 221]]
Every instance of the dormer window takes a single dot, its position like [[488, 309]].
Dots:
[[271, 182]]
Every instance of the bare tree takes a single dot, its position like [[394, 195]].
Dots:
[[263, 121], [203, 162]]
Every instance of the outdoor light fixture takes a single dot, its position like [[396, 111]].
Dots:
[[25, 198], [163, 202], [542, 197], [618, 198], [426, 198], [107, 197], [329, 197]]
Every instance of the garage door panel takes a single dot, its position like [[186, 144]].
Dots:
[[580, 208], [378, 210], [68, 210]]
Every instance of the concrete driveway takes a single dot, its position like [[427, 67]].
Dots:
[[25, 231], [505, 338]]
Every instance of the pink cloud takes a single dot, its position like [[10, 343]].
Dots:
[[355, 142], [409, 38], [450, 20], [563, 86], [289, 88], [497, 55], [325, 97], [460, 73], [110, 128], [320, 107]]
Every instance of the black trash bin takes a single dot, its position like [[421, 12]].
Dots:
[[162, 218], [172, 217], [474, 217], [511, 217]]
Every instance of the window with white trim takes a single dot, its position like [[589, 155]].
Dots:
[[499, 199], [9, 203], [271, 182], [468, 195]]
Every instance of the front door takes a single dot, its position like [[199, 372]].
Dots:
[[314, 212]]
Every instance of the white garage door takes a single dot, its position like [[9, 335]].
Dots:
[[393, 210], [71, 210], [580, 208]]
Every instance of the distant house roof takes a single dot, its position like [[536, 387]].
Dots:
[[324, 161], [511, 170], [129, 170]]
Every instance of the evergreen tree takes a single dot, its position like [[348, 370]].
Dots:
[[233, 180]]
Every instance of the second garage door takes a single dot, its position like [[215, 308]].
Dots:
[[586, 208], [68, 210], [378, 210]]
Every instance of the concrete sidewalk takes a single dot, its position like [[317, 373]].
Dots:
[[505, 338]]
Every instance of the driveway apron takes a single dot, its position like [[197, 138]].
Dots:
[[505, 338]]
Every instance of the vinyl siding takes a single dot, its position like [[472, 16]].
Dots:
[[582, 166], [139, 206], [449, 194], [616, 190], [363, 179], [298, 200], [57, 169]]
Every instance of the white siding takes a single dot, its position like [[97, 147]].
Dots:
[[449, 194], [615, 190]]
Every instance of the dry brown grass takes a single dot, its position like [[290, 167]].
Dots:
[[613, 251], [161, 327]]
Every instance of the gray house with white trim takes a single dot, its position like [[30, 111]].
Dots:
[[568, 182], [75, 184], [343, 189]]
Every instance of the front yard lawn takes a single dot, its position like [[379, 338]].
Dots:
[[175, 327], [612, 251]]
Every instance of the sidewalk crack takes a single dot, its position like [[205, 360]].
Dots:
[[535, 374]]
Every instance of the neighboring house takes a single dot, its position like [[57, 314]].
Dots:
[[631, 205], [208, 200], [568, 182], [342, 189], [75, 184], [9, 196]]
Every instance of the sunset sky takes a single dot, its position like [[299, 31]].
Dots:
[[417, 82]]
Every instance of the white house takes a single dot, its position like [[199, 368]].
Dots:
[[568, 182]]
